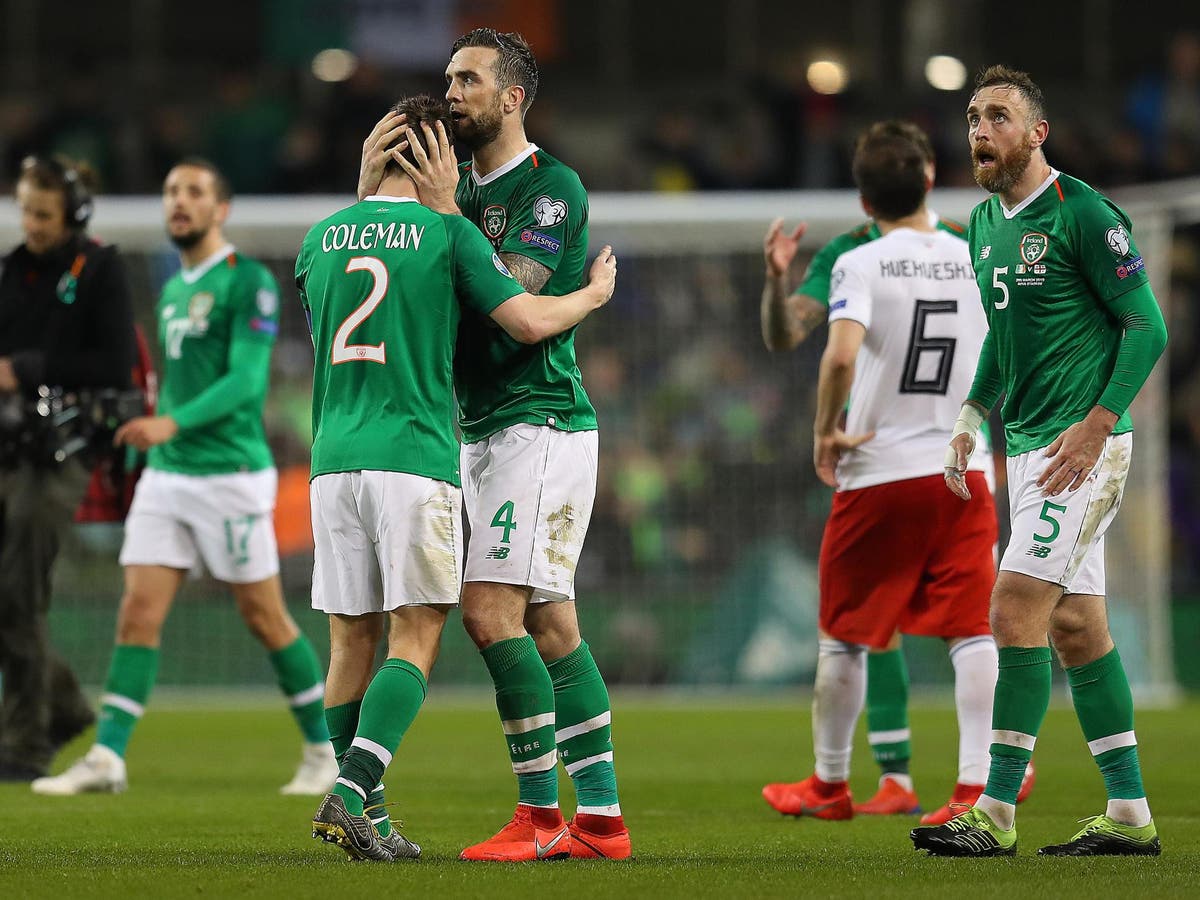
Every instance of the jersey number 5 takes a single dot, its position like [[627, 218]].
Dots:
[[919, 343], [1000, 285], [347, 352]]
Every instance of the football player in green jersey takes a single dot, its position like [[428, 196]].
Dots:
[[385, 283], [1074, 332], [208, 491], [529, 454], [787, 319]]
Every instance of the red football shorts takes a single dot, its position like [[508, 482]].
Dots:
[[908, 556]]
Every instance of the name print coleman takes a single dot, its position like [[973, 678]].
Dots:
[[393, 236]]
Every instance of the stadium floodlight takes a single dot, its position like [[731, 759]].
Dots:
[[334, 64], [946, 73], [827, 76]]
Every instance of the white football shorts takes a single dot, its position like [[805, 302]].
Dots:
[[222, 521], [384, 540], [528, 492], [1061, 539]]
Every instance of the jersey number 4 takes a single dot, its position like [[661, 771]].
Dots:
[[919, 345], [343, 351]]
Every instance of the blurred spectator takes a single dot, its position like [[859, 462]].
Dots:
[[1165, 109], [243, 135]]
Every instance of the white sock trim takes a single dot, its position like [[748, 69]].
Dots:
[[1014, 739], [117, 701], [584, 727], [1112, 742], [894, 736], [589, 761], [532, 723], [377, 750], [307, 696], [974, 645], [833, 645], [543, 763], [346, 782], [614, 810]]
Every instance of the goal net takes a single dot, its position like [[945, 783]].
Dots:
[[700, 564]]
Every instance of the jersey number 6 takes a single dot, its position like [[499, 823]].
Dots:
[[346, 352], [919, 344]]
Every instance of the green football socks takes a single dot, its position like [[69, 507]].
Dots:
[[1104, 705], [131, 674], [887, 711], [1022, 698], [525, 701], [299, 673], [386, 712], [343, 723], [583, 718]]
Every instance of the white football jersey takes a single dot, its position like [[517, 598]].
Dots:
[[916, 295]]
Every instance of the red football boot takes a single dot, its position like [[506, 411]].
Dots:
[[535, 833], [892, 799], [811, 797], [599, 837], [963, 799]]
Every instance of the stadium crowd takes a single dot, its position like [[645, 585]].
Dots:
[[700, 421]]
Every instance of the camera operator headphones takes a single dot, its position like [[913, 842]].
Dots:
[[79, 204]]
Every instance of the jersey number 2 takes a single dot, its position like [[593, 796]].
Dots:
[[918, 343], [347, 352]]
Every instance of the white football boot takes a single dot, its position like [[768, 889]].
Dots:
[[317, 772], [100, 771]]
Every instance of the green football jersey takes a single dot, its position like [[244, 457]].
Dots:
[[382, 282], [536, 207], [815, 282], [206, 314], [1047, 271]]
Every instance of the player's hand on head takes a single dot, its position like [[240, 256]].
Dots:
[[376, 151], [436, 171], [603, 274], [779, 247]]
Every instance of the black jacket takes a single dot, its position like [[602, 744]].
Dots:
[[66, 318]]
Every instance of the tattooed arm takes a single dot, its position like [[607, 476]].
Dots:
[[530, 273]]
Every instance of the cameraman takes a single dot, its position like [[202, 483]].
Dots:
[[66, 322]]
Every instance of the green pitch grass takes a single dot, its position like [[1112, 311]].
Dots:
[[203, 818]]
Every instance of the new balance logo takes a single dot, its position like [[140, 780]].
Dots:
[[497, 553], [1041, 551], [985, 252]]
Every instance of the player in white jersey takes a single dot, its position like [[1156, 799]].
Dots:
[[906, 326], [914, 294]]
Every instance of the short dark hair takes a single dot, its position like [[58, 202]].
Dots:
[[221, 185], [515, 64], [1020, 81], [889, 168], [417, 109]]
